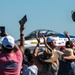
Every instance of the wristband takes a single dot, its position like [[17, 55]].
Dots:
[[21, 34], [37, 45]]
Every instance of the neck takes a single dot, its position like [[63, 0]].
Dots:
[[5, 51]]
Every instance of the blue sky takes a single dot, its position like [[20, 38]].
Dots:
[[41, 14]]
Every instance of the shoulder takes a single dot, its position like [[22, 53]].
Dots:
[[18, 53], [33, 66]]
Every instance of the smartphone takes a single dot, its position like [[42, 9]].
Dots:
[[23, 20], [2, 31]]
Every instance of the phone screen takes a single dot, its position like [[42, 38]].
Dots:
[[2, 30]]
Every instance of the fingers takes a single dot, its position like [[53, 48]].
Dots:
[[38, 38], [65, 32], [22, 27]]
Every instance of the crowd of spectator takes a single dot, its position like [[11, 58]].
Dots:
[[17, 60]]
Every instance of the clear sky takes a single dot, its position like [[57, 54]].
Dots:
[[41, 14]]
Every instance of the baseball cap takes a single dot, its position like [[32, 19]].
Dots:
[[62, 48], [8, 42], [49, 39]]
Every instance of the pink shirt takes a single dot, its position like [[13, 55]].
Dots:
[[10, 64]]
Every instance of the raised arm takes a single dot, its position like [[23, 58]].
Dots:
[[35, 52], [46, 43], [69, 43], [22, 39], [67, 35]]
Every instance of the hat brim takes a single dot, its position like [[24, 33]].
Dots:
[[54, 58], [68, 54]]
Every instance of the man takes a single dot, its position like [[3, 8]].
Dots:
[[51, 43], [11, 55]]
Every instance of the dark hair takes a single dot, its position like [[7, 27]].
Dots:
[[25, 61], [7, 50], [30, 59], [69, 44], [49, 43], [27, 51]]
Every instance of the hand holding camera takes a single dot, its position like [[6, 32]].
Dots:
[[2, 31]]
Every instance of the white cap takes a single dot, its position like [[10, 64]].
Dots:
[[8, 41], [49, 39]]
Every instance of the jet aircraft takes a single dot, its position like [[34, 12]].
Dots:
[[30, 39]]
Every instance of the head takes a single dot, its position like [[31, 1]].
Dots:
[[27, 51], [8, 43], [30, 59], [51, 42], [62, 48], [69, 44], [47, 56]]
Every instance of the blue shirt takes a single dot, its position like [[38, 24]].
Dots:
[[67, 68]]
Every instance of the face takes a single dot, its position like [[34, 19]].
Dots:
[[69, 44], [52, 44]]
